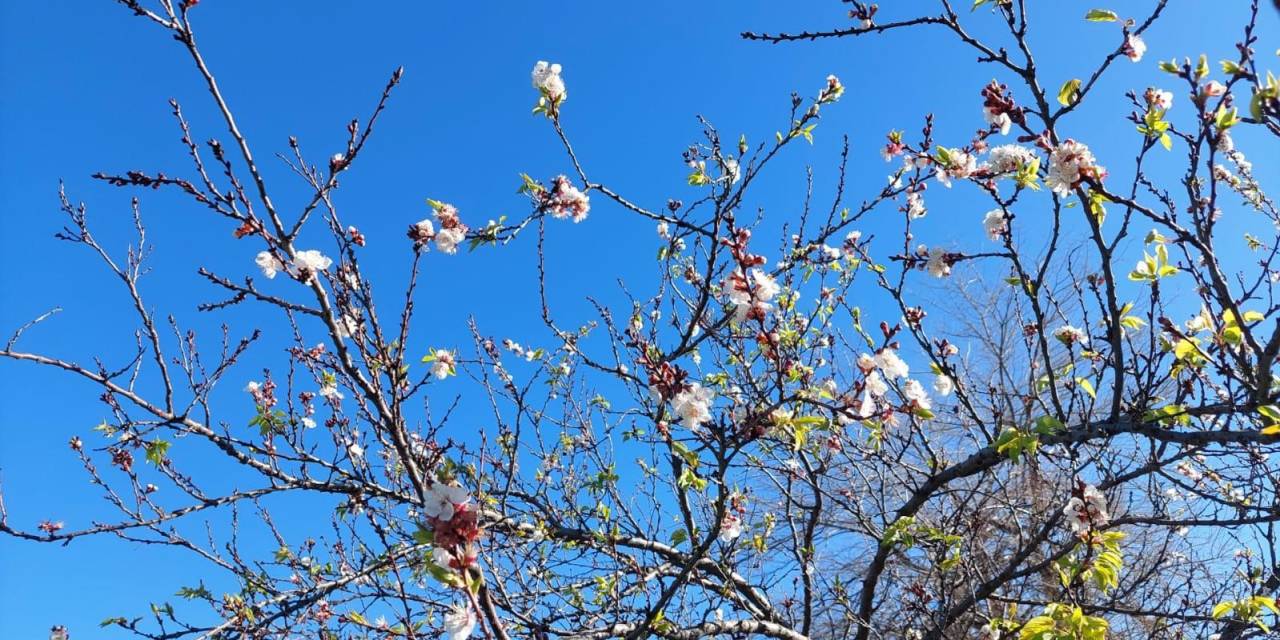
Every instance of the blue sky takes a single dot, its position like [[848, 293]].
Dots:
[[84, 88]]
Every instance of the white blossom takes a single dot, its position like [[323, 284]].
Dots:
[[875, 385], [751, 292], [460, 621], [1069, 163], [546, 78], [730, 527], [996, 224], [444, 500], [1088, 509], [937, 265], [892, 365], [1225, 143], [330, 392], [1000, 120], [347, 325], [268, 263], [423, 232], [914, 391], [731, 170], [442, 365], [960, 164], [1009, 158], [449, 239], [943, 385], [915, 205], [1134, 47], [693, 405], [311, 260]]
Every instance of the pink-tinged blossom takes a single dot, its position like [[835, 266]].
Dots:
[[1069, 164], [894, 147], [1087, 510], [996, 224], [1159, 98], [422, 233], [1134, 47], [730, 527], [960, 165], [1213, 88], [1068, 335], [1010, 158], [567, 201], [750, 294], [452, 232]]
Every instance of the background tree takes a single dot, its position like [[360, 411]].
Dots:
[[1052, 444]]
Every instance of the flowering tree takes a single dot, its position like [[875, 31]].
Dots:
[[1051, 450]]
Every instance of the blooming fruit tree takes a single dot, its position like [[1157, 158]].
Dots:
[[1062, 445]]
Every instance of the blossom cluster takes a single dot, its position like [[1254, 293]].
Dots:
[[547, 80], [750, 293], [885, 366], [1086, 510], [1069, 164], [304, 265], [451, 234], [565, 200]]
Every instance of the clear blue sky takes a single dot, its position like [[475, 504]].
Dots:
[[84, 87]]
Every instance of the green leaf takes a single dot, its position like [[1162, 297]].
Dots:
[[1101, 15], [157, 451], [1202, 67], [1069, 93], [1087, 386], [191, 593], [678, 537], [1223, 608]]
